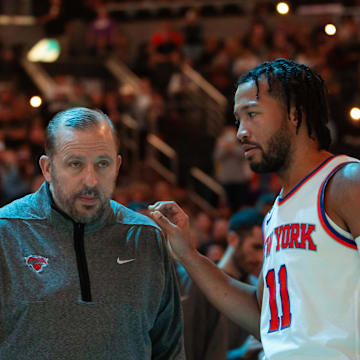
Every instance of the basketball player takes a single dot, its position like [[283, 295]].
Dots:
[[307, 304]]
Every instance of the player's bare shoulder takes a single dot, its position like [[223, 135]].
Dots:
[[342, 198]]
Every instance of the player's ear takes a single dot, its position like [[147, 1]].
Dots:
[[294, 116], [45, 165]]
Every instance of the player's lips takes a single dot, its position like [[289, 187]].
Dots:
[[249, 149]]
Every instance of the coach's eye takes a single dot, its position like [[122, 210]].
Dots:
[[251, 114], [75, 164], [103, 164]]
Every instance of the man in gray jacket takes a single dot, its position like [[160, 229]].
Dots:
[[81, 276]]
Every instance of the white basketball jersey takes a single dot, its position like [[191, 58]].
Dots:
[[311, 300]]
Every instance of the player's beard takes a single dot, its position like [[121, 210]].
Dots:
[[278, 153]]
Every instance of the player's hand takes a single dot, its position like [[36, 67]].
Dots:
[[175, 224]]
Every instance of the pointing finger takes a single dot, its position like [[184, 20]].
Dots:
[[163, 221]]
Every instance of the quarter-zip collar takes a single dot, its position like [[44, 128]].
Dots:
[[64, 222]]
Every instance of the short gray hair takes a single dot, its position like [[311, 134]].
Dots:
[[77, 118]]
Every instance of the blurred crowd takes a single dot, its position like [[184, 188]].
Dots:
[[88, 30]]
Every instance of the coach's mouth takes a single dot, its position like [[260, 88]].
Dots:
[[88, 200]]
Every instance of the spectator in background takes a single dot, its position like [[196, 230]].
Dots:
[[10, 68], [61, 94], [257, 39], [101, 33], [121, 195], [208, 335], [211, 47], [139, 193], [344, 56], [165, 57], [143, 114], [213, 250], [220, 74], [232, 170], [205, 335], [193, 33], [97, 97], [12, 182], [220, 230], [36, 137], [244, 62], [264, 203], [282, 46], [166, 39], [79, 97], [243, 261], [162, 190], [126, 100], [51, 15], [202, 226]]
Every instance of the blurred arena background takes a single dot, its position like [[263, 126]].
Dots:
[[165, 73]]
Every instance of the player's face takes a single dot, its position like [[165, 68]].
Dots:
[[263, 128], [249, 253], [83, 171]]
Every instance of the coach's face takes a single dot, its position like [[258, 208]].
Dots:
[[264, 129], [82, 171]]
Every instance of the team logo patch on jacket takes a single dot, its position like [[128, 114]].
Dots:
[[36, 262]]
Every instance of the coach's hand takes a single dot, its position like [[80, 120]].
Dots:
[[175, 224]]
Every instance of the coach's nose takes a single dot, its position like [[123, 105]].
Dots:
[[90, 177]]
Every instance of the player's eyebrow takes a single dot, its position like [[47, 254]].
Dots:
[[245, 107]]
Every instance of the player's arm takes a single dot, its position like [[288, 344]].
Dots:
[[342, 198], [236, 300]]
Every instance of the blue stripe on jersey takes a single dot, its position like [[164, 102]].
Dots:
[[322, 215], [301, 182]]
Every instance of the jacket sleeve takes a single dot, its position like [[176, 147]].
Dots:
[[167, 332]]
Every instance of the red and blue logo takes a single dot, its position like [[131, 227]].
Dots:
[[36, 262]]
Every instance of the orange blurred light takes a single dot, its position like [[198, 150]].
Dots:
[[355, 114], [330, 29], [35, 101], [282, 8]]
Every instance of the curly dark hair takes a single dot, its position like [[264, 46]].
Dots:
[[296, 85]]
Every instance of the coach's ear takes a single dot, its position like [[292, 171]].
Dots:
[[118, 162], [45, 165]]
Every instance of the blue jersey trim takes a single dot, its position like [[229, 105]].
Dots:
[[301, 182], [323, 218]]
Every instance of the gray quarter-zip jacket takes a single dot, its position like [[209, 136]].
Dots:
[[73, 291]]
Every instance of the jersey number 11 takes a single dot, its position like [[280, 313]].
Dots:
[[284, 296]]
